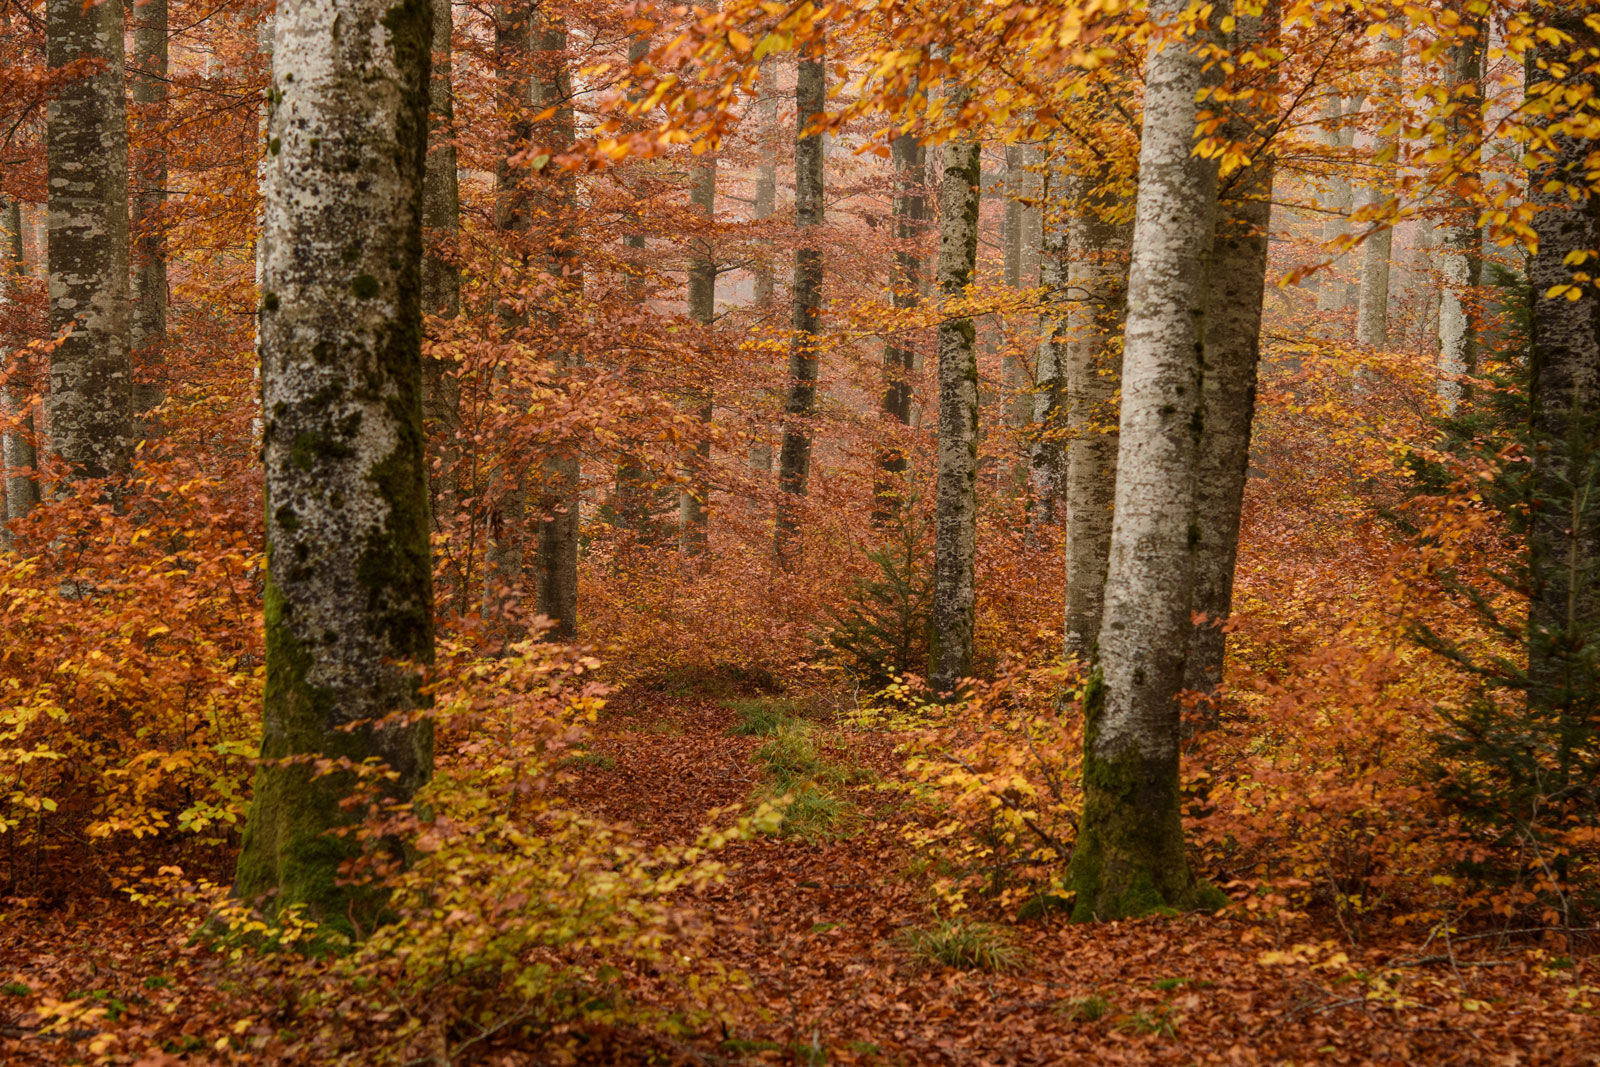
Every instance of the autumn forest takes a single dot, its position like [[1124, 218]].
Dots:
[[885, 533]]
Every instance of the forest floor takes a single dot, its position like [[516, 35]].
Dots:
[[817, 924]]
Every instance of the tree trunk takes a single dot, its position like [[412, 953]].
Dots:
[[91, 373], [1129, 856], [909, 211], [794, 458], [1372, 315], [635, 499], [693, 527], [1046, 453], [557, 558], [1564, 534], [1014, 382], [149, 323], [507, 495], [17, 447], [1460, 255], [759, 458], [441, 291], [956, 492], [349, 604], [1232, 350], [1100, 234], [1333, 292]]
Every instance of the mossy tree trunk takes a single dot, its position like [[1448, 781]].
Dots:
[[86, 132], [909, 211], [148, 81], [556, 563], [17, 446], [1129, 856], [349, 605], [794, 456], [1100, 234], [956, 483], [1232, 351]]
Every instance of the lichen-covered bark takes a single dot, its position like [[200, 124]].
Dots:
[[1232, 350], [693, 525], [349, 606], [956, 485], [1099, 234], [1563, 534], [17, 446], [148, 80], [1046, 448], [794, 457], [909, 212], [1129, 856], [1372, 313], [507, 497], [91, 372], [556, 582], [1460, 259]]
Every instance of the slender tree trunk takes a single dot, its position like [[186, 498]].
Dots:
[[1232, 351], [91, 373], [766, 200], [1372, 316], [1129, 856], [909, 211], [692, 521], [1046, 453], [507, 496], [441, 290], [1460, 258], [557, 559], [956, 492], [794, 458], [17, 447], [1014, 376], [149, 323], [1100, 237], [349, 604], [1564, 534], [1333, 293], [635, 510]]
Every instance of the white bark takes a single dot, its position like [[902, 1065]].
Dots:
[[17, 452]]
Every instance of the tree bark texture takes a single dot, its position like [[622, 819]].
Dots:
[[1046, 448], [1101, 231], [635, 497], [91, 372], [1564, 532], [909, 211], [956, 486], [1232, 351], [17, 451], [1014, 376], [1460, 254], [1129, 856], [1372, 314], [349, 605], [794, 457], [693, 524], [148, 80]]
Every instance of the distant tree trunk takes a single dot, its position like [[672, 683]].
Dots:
[[956, 493], [441, 288], [1032, 217], [1046, 454], [1232, 351], [149, 84], [693, 535], [1564, 534], [1333, 292], [1014, 377], [17, 448], [794, 458], [635, 499], [766, 200], [1100, 237], [1129, 856], [910, 212], [507, 495], [1372, 316], [91, 373], [349, 603], [1460, 258], [557, 559]]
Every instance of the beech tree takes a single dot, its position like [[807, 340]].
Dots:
[[909, 212], [1461, 264], [349, 602], [148, 81], [1129, 857], [17, 445], [91, 371]]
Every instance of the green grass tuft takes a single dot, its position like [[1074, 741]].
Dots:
[[1089, 1009], [760, 717], [598, 760], [964, 945]]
